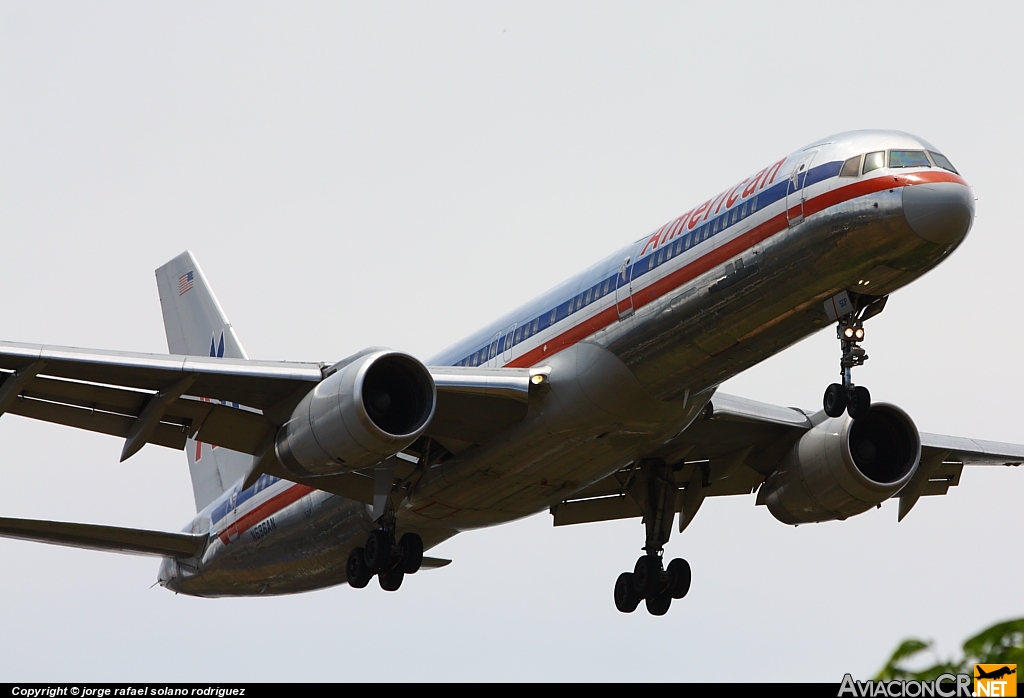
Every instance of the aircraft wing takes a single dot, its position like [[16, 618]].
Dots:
[[109, 538], [737, 443], [166, 399]]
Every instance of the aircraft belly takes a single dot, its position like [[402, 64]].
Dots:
[[594, 419], [712, 329]]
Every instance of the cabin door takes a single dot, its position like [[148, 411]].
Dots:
[[796, 187], [624, 289]]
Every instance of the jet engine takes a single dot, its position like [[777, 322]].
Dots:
[[367, 409], [844, 467]]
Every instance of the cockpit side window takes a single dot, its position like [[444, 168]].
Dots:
[[872, 161], [908, 158], [851, 168], [942, 161]]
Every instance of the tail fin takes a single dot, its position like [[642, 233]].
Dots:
[[196, 326]]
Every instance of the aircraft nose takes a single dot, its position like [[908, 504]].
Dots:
[[939, 212]]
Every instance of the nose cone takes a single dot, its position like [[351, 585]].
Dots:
[[940, 212]]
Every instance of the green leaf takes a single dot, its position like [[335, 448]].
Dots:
[[1003, 643]]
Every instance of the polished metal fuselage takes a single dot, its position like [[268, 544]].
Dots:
[[628, 373]]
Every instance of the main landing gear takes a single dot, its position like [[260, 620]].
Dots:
[[650, 580], [854, 399], [381, 556]]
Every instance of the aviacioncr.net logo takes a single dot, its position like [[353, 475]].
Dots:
[[945, 686]]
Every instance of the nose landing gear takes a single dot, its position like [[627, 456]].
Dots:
[[854, 399]]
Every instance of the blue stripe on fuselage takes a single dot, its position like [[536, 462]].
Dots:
[[607, 285]]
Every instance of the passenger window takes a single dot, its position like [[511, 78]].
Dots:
[[908, 158], [942, 161], [536, 323], [753, 204], [554, 314], [604, 288], [586, 297], [872, 161], [851, 167], [518, 337], [494, 350]]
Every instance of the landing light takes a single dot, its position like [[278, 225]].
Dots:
[[538, 379], [848, 333], [859, 333]]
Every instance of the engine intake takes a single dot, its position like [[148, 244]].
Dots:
[[843, 467], [371, 407]]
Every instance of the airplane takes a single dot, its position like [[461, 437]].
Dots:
[[995, 673], [598, 400]]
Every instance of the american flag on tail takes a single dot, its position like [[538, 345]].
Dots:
[[185, 282]]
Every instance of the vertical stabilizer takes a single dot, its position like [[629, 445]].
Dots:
[[196, 325]]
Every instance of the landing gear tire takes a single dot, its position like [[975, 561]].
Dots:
[[860, 403], [658, 604], [356, 569], [392, 579], [412, 553], [647, 576], [834, 401], [378, 551], [679, 577], [626, 596]]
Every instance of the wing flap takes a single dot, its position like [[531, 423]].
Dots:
[[109, 538], [169, 435]]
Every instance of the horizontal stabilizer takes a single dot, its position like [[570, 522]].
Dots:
[[433, 563], [110, 538]]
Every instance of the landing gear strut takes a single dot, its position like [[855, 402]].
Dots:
[[854, 399], [650, 581], [390, 561]]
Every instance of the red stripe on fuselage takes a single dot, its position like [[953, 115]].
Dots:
[[267, 508], [722, 254]]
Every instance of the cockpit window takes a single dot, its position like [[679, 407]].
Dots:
[[872, 161], [851, 168], [908, 158], [942, 161]]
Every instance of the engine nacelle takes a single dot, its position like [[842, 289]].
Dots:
[[844, 467], [367, 410]]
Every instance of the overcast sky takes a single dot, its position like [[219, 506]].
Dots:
[[356, 174]]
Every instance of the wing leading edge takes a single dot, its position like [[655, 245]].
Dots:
[[109, 538]]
